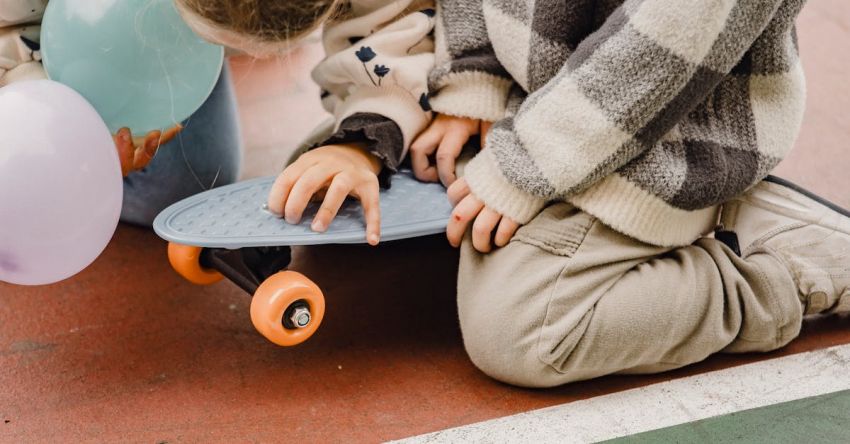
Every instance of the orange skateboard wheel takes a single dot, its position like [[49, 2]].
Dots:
[[287, 298], [186, 261]]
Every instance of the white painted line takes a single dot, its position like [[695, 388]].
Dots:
[[665, 404]]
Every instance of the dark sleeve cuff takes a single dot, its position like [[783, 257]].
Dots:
[[381, 137]]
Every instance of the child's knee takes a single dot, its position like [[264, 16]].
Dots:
[[504, 352], [504, 299], [502, 325], [529, 355]]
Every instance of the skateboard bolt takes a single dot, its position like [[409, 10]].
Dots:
[[300, 317]]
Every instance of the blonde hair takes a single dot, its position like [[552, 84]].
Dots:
[[265, 21]]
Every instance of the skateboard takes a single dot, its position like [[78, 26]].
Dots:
[[228, 232]]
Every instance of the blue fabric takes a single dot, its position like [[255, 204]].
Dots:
[[206, 154]]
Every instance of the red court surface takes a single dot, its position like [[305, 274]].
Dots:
[[128, 351]]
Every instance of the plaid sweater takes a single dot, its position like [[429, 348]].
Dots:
[[647, 114]]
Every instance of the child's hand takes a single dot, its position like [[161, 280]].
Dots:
[[469, 208], [485, 131], [136, 153], [339, 170], [446, 136]]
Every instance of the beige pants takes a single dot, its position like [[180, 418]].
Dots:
[[570, 299]]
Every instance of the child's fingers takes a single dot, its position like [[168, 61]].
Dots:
[[485, 131], [145, 153], [314, 179], [420, 152], [319, 196], [507, 230], [126, 151], [369, 195], [170, 134], [152, 140], [152, 137], [463, 214], [482, 230], [282, 186], [448, 152], [333, 200], [457, 191], [279, 192]]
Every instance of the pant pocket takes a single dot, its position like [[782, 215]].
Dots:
[[559, 229]]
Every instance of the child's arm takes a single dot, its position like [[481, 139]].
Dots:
[[375, 77], [375, 83], [469, 89], [468, 80], [624, 87]]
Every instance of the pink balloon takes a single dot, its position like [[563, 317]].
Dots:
[[60, 183]]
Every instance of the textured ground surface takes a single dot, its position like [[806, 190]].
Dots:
[[128, 351]]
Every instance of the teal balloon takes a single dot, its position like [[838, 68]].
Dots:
[[135, 61]]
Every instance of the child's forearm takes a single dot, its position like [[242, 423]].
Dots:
[[375, 134], [468, 80], [375, 76]]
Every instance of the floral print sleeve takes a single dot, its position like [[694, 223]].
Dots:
[[375, 77]]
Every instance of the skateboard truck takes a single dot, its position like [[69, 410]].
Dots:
[[247, 267]]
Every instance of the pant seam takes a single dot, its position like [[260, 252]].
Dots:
[[553, 287], [773, 300]]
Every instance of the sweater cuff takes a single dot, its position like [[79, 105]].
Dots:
[[393, 102], [488, 184], [380, 136], [472, 94]]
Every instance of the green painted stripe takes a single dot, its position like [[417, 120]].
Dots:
[[819, 419], [701, 397]]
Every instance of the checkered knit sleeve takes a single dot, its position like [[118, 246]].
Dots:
[[623, 88], [468, 80]]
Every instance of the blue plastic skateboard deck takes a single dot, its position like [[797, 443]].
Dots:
[[235, 217]]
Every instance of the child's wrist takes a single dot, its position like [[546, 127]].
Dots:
[[360, 149]]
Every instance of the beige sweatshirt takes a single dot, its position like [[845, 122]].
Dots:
[[374, 79], [20, 58]]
